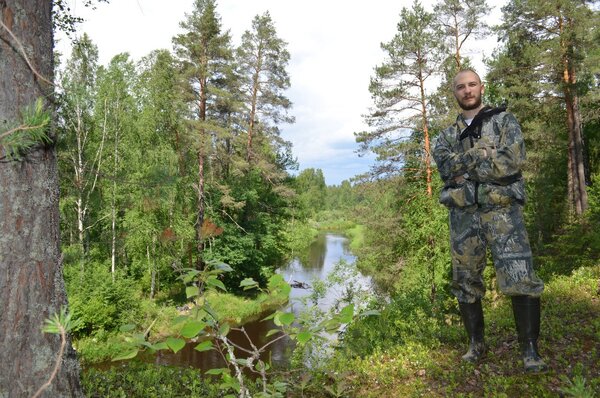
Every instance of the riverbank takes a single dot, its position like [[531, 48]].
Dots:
[[159, 321]]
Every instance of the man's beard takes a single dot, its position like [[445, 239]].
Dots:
[[472, 106]]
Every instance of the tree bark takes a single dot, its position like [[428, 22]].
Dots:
[[425, 126], [201, 150], [31, 282], [254, 99], [578, 197]]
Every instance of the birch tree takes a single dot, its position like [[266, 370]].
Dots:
[[116, 114], [81, 143]]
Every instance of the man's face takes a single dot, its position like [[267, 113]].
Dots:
[[468, 90]]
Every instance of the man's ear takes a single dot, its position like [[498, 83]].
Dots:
[[482, 89]]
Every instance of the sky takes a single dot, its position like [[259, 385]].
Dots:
[[334, 47]]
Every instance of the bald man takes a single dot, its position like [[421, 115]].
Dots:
[[479, 159]]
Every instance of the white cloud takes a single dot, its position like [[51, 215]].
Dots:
[[334, 46]]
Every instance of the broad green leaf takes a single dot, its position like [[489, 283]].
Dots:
[[260, 366], [190, 276], [192, 291], [224, 329], [216, 371], [287, 318], [272, 332], [370, 313], [275, 281], [223, 267], [160, 346], [331, 325], [192, 328], [204, 346], [269, 317], [210, 311], [179, 319], [137, 338], [175, 344], [346, 314], [216, 283], [127, 328], [248, 284], [126, 355], [303, 337]]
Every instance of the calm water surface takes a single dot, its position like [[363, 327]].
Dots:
[[315, 265]]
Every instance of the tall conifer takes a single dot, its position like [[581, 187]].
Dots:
[[205, 54]]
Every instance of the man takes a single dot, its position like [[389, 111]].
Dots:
[[479, 159]]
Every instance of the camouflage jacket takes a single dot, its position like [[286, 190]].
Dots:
[[490, 164]]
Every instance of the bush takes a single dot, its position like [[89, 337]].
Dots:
[[136, 379], [100, 303]]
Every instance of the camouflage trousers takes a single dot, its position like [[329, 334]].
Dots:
[[502, 229]]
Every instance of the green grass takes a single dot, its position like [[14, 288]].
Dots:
[[143, 380], [238, 310], [235, 310], [356, 235], [425, 367]]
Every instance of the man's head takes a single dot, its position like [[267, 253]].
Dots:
[[468, 90]]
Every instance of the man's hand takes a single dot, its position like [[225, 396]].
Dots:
[[487, 148], [459, 179]]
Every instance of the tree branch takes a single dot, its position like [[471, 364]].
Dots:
[[63, 343], [24, 54], [22, 127]]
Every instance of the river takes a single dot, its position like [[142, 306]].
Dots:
[[320, 278]]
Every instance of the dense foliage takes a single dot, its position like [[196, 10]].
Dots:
[[170, 163]]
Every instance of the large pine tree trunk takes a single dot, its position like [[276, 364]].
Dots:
[[31, 283]]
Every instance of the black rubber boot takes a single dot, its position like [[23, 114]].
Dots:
[[472, 316], [527, 319]]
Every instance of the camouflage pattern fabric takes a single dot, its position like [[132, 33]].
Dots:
[[488, 178], [501, 229], [486, 207]]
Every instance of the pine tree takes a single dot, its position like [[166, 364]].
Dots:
[[31, 282], [205, 54], [460, 22], [400, 120], [263, 60], [560, 30]]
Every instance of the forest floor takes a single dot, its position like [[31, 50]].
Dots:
[[569, 343]]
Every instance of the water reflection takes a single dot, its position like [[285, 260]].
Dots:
[[277, 354], [313, 267]]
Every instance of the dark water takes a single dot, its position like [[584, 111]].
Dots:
[[306, 269]]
